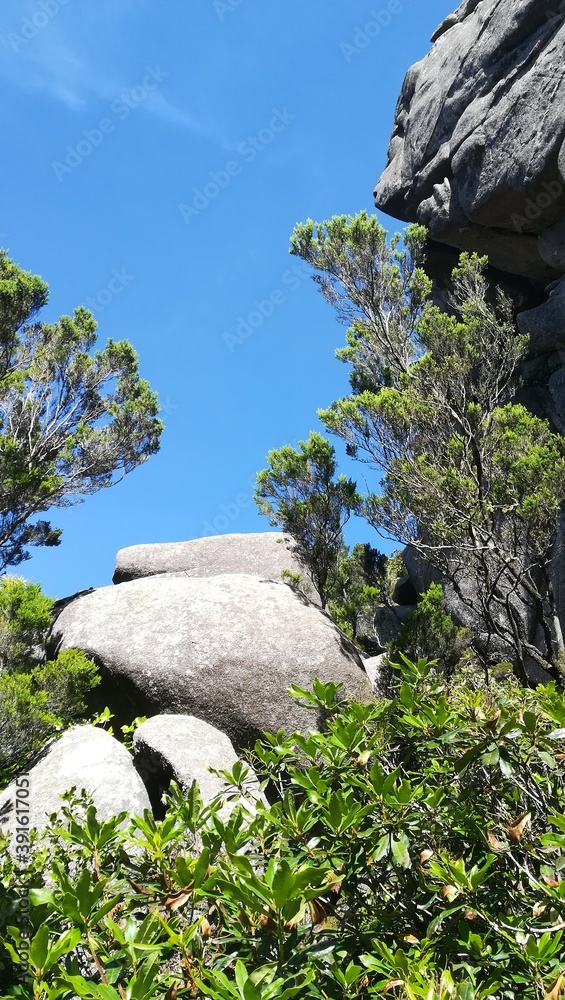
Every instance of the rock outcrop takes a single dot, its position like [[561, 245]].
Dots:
[[478, 148], [183, 748], [223, 648], [376, 668], [84, 758], [478, 156]]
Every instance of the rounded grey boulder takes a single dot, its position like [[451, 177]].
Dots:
[[85, 758], [263, 554], [225, 649], [184, 749]]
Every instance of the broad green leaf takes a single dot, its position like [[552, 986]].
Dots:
[[39, 947]]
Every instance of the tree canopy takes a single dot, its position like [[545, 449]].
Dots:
[[470, 479], [73, 419], [301, 492]]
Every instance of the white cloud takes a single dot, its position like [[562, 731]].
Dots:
[[47, 62]]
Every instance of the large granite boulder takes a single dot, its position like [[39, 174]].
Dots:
[[85, 758], [478, 147], [224, 648], [184, 749], [265, 554]]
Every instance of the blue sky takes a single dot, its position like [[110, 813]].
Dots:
[[156, 159]]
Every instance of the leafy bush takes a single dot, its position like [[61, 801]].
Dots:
[[361, 583], [36, 704], [36, 699], [429, 631], [415, 849], [25, 617]]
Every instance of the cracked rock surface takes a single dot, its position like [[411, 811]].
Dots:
[[478, 148]]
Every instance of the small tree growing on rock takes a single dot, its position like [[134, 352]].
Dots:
[[301, 493], [472, 481]]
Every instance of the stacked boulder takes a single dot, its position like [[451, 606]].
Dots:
[[205, 639], [208, 628]]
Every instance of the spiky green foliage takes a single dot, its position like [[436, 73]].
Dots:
[[471, 480], [72, 419], [415, 849], [301, 492]]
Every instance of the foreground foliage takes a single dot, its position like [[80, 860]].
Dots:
[[415, 849]]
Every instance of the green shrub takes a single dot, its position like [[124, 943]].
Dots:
[[429, 631], [416, 849], [25, 618], [37, 699], [362, 583], [39, 702]]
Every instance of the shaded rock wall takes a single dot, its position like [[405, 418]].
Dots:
[[477, 155], [478, 148]]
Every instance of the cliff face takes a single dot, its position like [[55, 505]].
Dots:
[[478, 156], [478, 148]]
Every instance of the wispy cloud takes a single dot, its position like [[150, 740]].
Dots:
[[47, 62], [158, 105], [50, 68]]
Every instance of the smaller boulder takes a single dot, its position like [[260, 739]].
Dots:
[[552, 245], [85, 758], [183, 748], [378, 627], [388, 621], [545, 325], [263, 554]]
